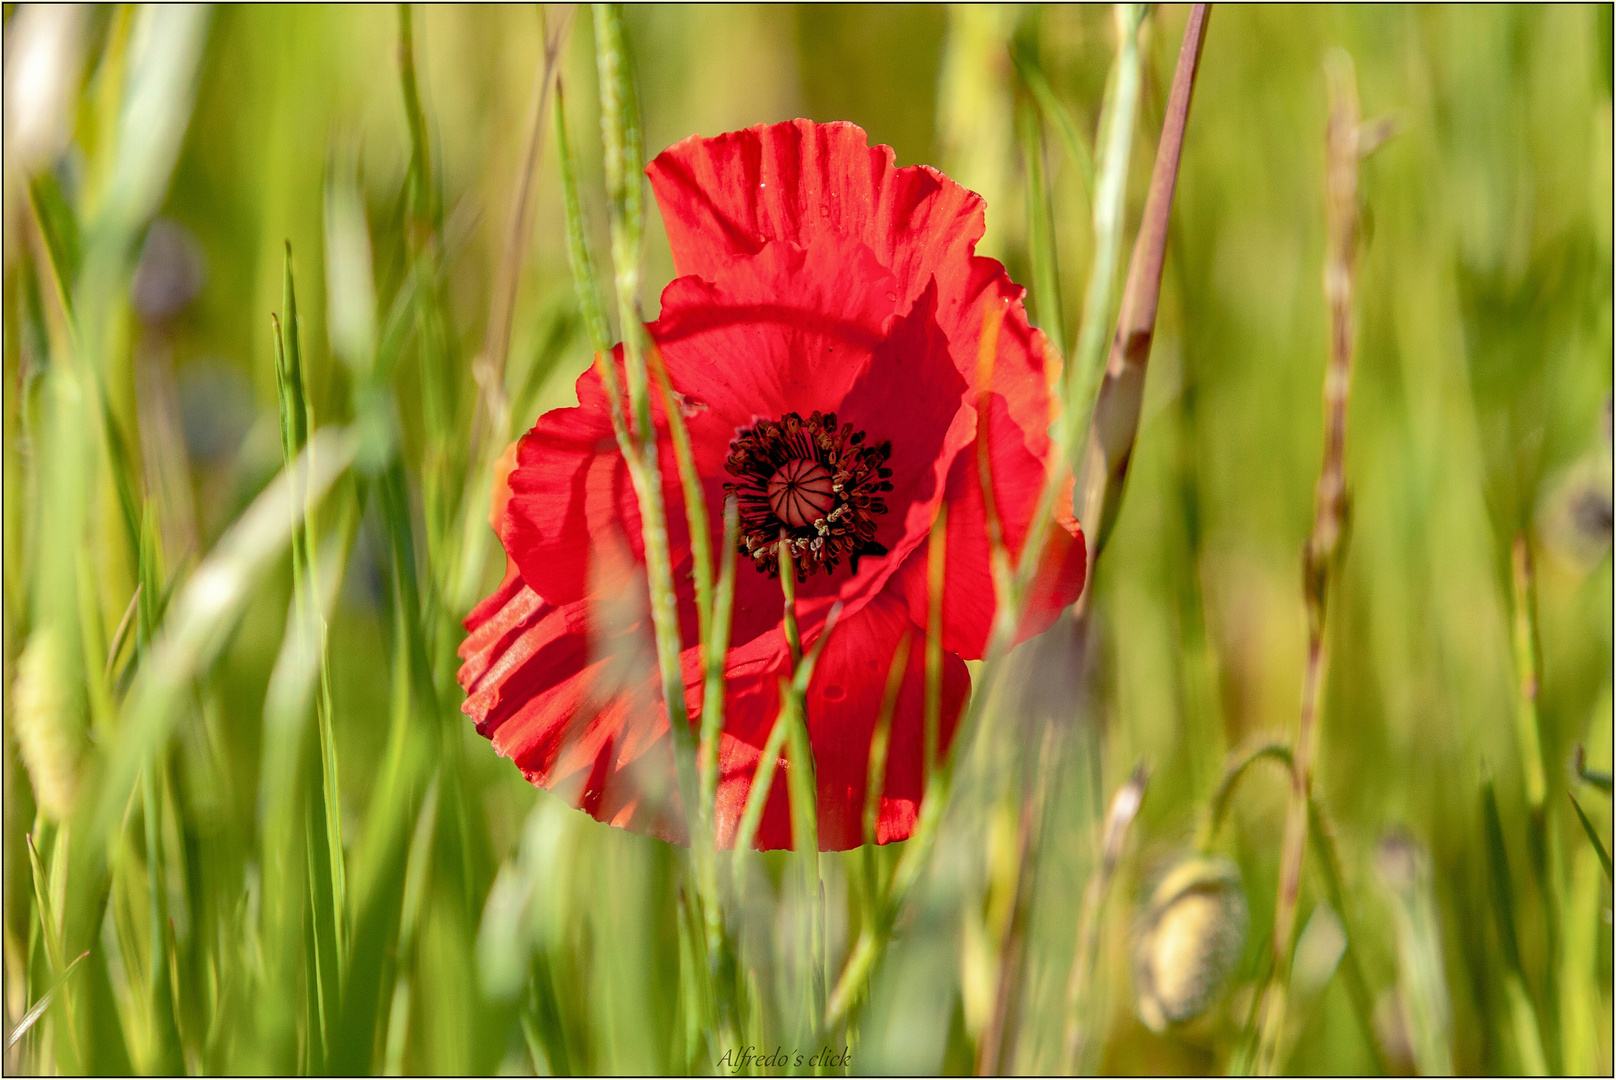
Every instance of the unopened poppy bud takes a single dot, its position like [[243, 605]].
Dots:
[[48, 745], [1575, 516], [1190, 939]]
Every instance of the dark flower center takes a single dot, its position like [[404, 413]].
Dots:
[[817, 485]]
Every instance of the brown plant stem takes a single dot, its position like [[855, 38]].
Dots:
[[489, 370], [1345, 144], [1116, 408]]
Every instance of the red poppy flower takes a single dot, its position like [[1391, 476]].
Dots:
[[822, 340]]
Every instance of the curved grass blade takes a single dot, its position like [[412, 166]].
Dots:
[[31, 1017], [205, 609], [1593, 837]]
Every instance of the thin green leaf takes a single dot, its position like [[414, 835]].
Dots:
[[695, 498], [424, 208], [620, 136], [584, 278], [763, 777], [1498, 875], [1117, 116], [1041, 248], [1593, 837], [46, 911], [1077, 147], [60, 228], [881, 738], [712, 709]]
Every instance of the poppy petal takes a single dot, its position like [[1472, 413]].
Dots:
[[725, 197], [968, 591], [572, 704], [843, 703]]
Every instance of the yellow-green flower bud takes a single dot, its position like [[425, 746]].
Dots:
[[1189, 940]]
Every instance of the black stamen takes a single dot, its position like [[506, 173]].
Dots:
[[813, 483]]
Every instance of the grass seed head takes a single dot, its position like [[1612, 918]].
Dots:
[[46, 738]]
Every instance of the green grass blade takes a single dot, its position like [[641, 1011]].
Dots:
[[45, 910], [701, 543], [1117, 115], [1054, 112], [1525, 1025], [762, 781], [1593, 836], [1041, 248], [717, 643], [880, 740], [424, 208], [582, 262], [624, 161], [209, 603], [1498, 876], [60, 228]]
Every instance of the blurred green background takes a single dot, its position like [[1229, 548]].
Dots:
[[490, 928]]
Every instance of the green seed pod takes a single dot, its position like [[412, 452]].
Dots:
[[1189, 940]]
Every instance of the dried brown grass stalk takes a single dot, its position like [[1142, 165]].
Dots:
[[1347, 140], [489, 370]]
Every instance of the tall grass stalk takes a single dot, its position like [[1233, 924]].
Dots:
[[1544, 840], [1345, 143], [1110, 441], [489, 370], [625, 182], [1110, 188]]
